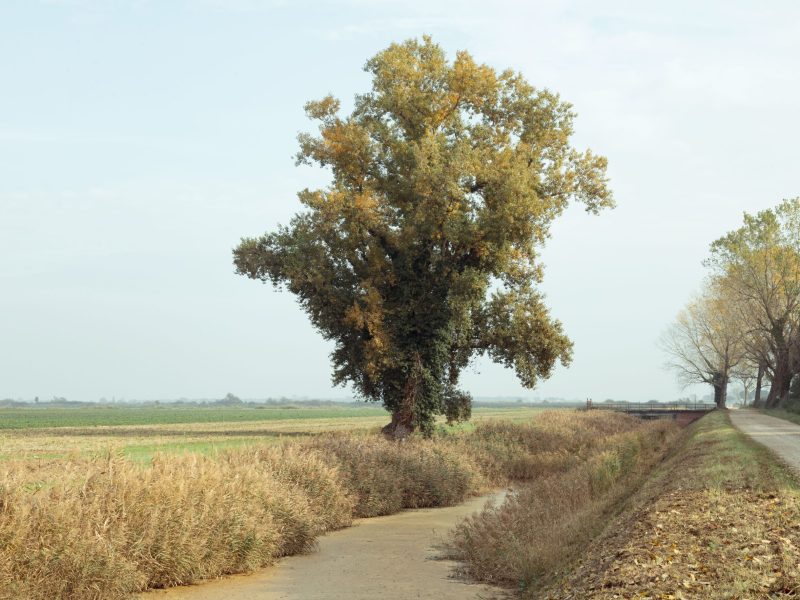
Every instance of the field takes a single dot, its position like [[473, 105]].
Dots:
[[27, 418], [90, 523], [140, 432]]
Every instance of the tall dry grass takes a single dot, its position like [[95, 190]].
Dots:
[[108, 528], [534, 533], [383, 477]]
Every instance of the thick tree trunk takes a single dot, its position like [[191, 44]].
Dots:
[[721, 394], [403, 423], [399, 428], [759, 380], [779, 391]]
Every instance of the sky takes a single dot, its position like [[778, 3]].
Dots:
[[140, 140]]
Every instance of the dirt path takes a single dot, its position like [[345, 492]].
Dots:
[[779, 435], [390, 558]]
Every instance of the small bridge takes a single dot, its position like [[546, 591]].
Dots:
[[682, 412]]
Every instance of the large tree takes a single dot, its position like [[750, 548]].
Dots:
[[759, 263], [423, 250], [705, 343]]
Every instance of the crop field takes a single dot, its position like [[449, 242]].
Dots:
[[26, 418], [138, 433]]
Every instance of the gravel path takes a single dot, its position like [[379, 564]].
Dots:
[[389, 558], [779, 435]]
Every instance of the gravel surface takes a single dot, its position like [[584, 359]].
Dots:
[[779, 435]]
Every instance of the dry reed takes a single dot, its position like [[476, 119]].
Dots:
[[108, 528], [534, 533]]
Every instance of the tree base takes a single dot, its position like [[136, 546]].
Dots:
[[396, 430]]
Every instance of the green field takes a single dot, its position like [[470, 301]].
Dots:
[[140, 432], [27, 418]]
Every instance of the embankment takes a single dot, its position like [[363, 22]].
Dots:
[[545, 523], [718, 519]]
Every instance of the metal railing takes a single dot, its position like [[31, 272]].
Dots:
[[650, 406]]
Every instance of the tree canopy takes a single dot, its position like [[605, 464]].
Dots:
[[759, 263], [423, 251], [753, 299], [705, 343]]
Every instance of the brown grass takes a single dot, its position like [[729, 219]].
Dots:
[[546, 522], [105, 529], [384, 477], [719, 519], [91, 528]]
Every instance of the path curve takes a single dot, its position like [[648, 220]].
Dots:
[[391, 558], [779, 435]]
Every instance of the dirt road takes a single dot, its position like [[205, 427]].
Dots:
[[390, 558], [780, 436]]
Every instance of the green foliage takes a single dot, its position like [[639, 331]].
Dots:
[[422, 252]]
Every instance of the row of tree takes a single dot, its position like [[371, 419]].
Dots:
[[745, 323]]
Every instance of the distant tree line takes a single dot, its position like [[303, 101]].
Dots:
[[229, 401], [745, 323]]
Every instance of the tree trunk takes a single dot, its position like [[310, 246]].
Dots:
[[403, 423], [400, 426], [759, 379], [720, 390], [720, 395], [779, 391]]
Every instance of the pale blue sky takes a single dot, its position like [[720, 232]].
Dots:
[[140, 139]]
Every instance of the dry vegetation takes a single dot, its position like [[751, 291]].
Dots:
[[545, 523], [109, 527], [720, 519]]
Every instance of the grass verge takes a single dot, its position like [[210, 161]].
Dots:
[[718, 519], [108, 527], [782, 413]]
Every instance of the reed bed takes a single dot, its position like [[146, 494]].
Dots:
[[531, 537], [109, 527]]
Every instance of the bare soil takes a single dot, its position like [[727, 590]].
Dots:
[[391, 558]]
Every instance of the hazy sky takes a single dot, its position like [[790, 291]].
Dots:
[[139, 140]]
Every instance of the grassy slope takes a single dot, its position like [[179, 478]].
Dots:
[[549, 520], [719, 519], [784, 414]]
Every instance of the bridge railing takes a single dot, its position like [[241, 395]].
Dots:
[[650, 407]]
